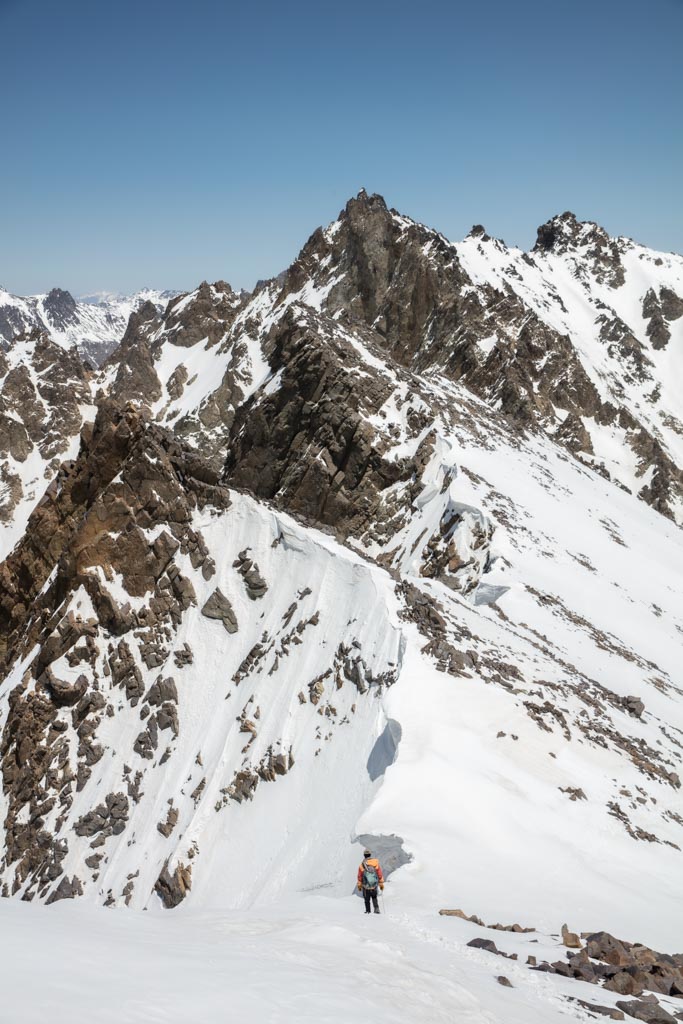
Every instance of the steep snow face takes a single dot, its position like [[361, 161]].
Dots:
[[498, 786], [295, 681], [529, 560], [620, 304], [94, 324]]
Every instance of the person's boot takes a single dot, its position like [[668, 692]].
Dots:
[[377, 910], [367, 911]]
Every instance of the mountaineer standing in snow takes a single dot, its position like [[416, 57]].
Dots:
[[369, 877]]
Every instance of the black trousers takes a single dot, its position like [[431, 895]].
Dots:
[[370, 894]]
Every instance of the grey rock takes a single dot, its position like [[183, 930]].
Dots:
[[219, 607], [650, 1012]]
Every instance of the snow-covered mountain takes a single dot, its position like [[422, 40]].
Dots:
[[385, 552], [94, 323]]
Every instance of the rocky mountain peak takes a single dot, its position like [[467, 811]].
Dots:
[[601, 254], [365, 202], [60, 308], [562, 232]]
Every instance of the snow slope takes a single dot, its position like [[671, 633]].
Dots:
[[312, 959], [599, 315]]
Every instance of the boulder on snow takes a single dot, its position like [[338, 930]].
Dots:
[[603, 1011], [162, 690], [173, 888], [603, 946], [462, 915], [570, 939], [249, 571], [634, 706], [67, 889], [65, 694], [649, 1011], [486, 944], [218, 607]]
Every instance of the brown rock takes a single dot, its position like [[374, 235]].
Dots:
[[624, 984], [219, 607], [650, 1012], [570, 939], [485, 944], [173, 888], [603, 1011]]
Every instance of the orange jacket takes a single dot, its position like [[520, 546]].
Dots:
[[371, 862]]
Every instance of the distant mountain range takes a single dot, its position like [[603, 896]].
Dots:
[[94, 323]]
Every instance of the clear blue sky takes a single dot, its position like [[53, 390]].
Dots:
[[160, 143]]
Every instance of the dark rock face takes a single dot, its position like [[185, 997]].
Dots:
[[166, 827], [218, 607], [602, 1011], [307, 446], [162, 690], [40, 410], [108, 818], [60, 308], [67, 889], [136, 378], [407, 285], [383, 279], [13, 322], [96, 516], [254, 583], [660, 310], [486, 944], [671, 304], [565, 233], [174, 887], [211, 313]]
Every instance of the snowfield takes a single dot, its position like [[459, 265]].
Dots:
[[314, 959]]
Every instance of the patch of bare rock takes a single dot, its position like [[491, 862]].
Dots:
[[626, 968]]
